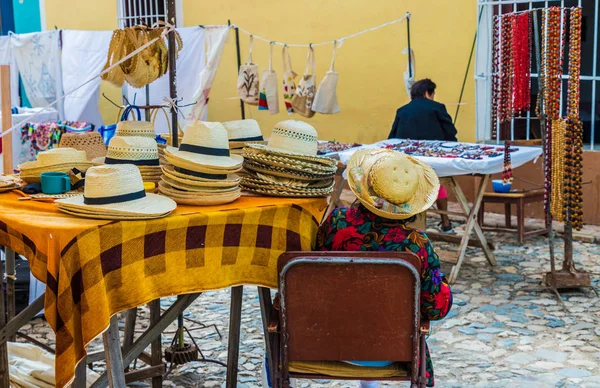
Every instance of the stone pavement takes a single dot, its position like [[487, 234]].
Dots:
[[503, 331]]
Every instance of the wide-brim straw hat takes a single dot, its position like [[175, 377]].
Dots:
[[196, 188], [54, 160], [138, 150], [205, 144], [250, 165], [293, 138], [249, 183], [224, 181], [265, 179], [286, 162], [391, 184], [195, 198], [113, 190], [241, 132], [90, 142], [135, 128]]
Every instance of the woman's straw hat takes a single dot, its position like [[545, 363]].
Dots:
[[195, 198], [135, 128], [204, 144], [138, 150], [117, 190], [391, 184], [241, 132], [90, 142]]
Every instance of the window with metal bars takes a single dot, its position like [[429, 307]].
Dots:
[[528, 125], [145, 12]]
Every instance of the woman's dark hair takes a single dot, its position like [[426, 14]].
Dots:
[[421, 87]]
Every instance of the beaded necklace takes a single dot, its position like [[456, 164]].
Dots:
[[496, 77], [521, 53]]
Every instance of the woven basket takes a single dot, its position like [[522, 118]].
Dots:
[[90, 142]]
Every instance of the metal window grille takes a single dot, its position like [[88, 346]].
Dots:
[[146, 12], [528, 126]]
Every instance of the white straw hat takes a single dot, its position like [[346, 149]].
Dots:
[[57, 156], [135, 128], [292, 137], [220, 180], [241, 132], [138, 150], [205, 144], [111, 190]]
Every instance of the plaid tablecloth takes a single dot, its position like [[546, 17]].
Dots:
[[94, 269]]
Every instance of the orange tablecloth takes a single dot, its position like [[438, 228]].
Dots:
[[94, 268]]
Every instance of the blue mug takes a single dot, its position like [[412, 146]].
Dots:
[[55, 182]]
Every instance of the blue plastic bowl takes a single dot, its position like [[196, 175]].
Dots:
[[500, 187]]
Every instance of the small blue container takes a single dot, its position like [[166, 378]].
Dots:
[[500, 187]]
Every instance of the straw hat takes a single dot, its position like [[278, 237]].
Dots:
[[284, 172], [138, 150], [114, 191], [90, 142], [195, 198], [241, 132], [54, 160], [391, 184], [293, 138], [221, 180], [194, 188], [204, 144], [135, 128], [269, 159]]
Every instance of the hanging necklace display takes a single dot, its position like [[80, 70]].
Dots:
[[507, 176], [496, 76], [506, 69], [557, 169], [521, 54], [573, 201]]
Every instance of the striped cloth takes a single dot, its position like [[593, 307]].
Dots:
[[94, 269]]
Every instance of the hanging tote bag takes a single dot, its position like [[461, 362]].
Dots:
[[305, 92], [247, 83], [289, 79], [326, 98], [268, 98]]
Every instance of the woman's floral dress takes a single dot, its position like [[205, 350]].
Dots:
[[357, 229]]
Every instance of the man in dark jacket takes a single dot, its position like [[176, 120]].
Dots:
[[425, 119]]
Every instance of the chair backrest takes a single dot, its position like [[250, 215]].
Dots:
[[349, 306]]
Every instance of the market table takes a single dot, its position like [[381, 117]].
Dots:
[[94, 269], [447, 170]]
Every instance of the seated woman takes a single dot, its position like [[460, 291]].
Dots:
[[392, 188]]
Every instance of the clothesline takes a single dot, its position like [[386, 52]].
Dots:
[[339, 41], [527, 11]]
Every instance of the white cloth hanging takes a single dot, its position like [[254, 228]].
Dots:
[[83, 56], [6, 58], [37, 56], [190, 64], [215, 41], [325, 101]]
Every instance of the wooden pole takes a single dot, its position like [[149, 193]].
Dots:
[[6, 118], [239, 63], [172, 19]]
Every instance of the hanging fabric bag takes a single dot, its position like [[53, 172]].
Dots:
[[268, 98], [247, 83], [326, 98], [289, 79], [305, 92]]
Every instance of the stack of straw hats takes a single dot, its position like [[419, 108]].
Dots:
[[241, 133], [116, 192], [288, 166], [135, 128], [202, 171], [54, 160], [137, 150], [90, 142]]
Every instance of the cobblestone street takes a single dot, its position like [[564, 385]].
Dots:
[[503, 331]]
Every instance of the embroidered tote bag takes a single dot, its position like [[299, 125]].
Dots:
[[305, 92], [247, 83], [268, 98], [289, 79], [326, 98]]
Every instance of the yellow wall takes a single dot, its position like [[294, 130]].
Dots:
[[87, 15], [370, 67]]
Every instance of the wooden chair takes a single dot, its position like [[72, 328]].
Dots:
[[344, 306]]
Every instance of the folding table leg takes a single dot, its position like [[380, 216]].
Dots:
[[233, 347], [4, 374], [80, 375], [114, 358], [156, 348], [471, 224], [266, 304]]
